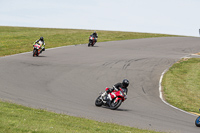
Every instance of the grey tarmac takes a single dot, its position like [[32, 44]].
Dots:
[[69, 79]]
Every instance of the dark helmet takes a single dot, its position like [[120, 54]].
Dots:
[[125, 83], [41, 38]]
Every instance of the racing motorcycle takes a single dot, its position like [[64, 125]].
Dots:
[[36, 49], [197, 121], [92, 41], [112, 100]]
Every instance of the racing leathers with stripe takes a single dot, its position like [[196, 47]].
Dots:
[[41, 43]]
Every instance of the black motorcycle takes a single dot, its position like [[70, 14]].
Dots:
[[92, 41]]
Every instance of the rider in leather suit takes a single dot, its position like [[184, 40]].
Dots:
[[117, 87], [40, 42]]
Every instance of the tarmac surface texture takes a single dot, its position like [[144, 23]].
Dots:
[[68, 80]]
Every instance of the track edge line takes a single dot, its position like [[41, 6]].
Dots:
[[161, 95]]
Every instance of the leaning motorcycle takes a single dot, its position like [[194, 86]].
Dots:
[[36, 49], [197, 121], [112, 100], [92, 41]]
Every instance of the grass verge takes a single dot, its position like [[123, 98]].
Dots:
[[19, 119], [181, 85], [15, 40]]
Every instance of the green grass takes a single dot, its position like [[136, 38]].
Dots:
[[19, 119], [181, 85], [15, 40]]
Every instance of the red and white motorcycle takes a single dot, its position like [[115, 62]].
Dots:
[[36, 49], [113, 100]]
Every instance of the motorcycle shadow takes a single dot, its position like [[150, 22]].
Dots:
[[94, 46], [106, 107], [39, 56], [123, 110]]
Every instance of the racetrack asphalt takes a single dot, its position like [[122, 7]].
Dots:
[[69, 79]]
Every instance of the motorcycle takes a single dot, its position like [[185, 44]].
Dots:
[[36, 49], [92, 41], [197, 121], [112, 100]]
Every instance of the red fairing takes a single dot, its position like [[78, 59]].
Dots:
[[112, 95], [91, 37], [116, 94], [36, 45], [107, 88], [118, 99], [113, 99]]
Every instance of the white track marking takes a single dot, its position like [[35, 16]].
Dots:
[[161, 95]]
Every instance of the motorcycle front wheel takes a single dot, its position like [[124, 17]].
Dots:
[[34, 52], [92, 44], [115, 105], [197, 122], [37, 53], [98, 101]]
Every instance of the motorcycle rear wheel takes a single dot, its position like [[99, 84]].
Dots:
[[197, 122], [98, 101], [114, 106]]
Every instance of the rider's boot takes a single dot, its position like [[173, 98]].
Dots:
[[104, 95]]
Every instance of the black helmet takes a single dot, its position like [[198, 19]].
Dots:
[[41, 38], [125, 83]]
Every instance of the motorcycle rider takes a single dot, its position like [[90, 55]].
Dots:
[[41, 43], [95, 35], [116, 87]]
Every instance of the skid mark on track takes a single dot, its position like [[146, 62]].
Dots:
[[124, 64]]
